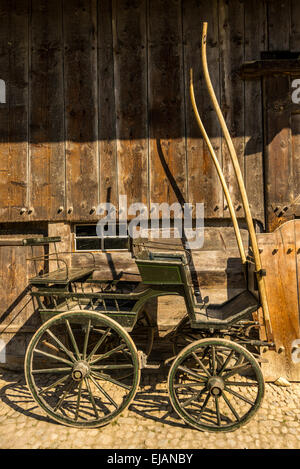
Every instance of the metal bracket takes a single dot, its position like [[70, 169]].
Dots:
[[142, 358], [287, 209], [261, 272]]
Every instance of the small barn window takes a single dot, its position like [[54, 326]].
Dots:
[[86, 239]]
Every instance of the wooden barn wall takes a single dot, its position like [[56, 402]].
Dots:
[[97, 106], [98, 103]]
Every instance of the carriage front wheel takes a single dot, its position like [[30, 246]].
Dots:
[[215, 385], [82, 368]]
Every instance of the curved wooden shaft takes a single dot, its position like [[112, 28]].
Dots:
[[237, 169], [219, 171]]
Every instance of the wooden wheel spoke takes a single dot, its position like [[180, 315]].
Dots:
[[98, 344], [111, 380], [187, 385], [218, 410], [86, 339], [231, 407], [241, 383], [91, 397], [192, 373], [213, 358], [72, 338], [56, 383], [238, 395], [50, 370], [236, 369], [201, 364], [108, 354], [49, 355], [78, 401], [226, 362], [110, 399], [68, 388], [51, 346], [61, 345], [219, 362], [126, 353], [192, 398], [203, 407], [112, 367]]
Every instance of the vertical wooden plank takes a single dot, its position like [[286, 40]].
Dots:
[[203, 182], [295, 46], [297, 251], [231, 27], [166, 101], [279, 255], [5, 48], [296, 153], [288, 261], [47, 158], [278, 160], [295, 26], [279, 18], [271, 251], [130, 66], [14, 113], [255, 42], [81, 120], [107, 111]]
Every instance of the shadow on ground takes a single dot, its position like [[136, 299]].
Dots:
[[146, 402]]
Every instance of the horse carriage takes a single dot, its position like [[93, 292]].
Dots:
[[83, 364]]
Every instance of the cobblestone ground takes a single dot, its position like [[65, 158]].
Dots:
[[149, 422]]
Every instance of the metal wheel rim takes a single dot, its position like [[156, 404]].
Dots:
[[186, 416], [107, 322]]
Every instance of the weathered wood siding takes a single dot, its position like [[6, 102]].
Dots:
[[18, 319], [97, 106], [98, 103]]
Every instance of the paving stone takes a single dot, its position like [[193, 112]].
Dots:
[[149, 423]]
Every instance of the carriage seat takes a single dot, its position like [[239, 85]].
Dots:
[[232, 310], [172, 269], [62, 275]]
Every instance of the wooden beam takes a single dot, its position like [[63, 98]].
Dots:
[[258, 68]]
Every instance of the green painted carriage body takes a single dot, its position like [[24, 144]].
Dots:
[[161, 274]]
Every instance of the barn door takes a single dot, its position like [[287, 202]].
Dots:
[[279, 246], [282, 149], [279, 73]]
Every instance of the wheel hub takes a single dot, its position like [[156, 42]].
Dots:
[[215, 385], [80, 370]]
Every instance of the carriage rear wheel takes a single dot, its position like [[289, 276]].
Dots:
[[215, 385], [82, 368]]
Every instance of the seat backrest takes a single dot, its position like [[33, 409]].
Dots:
[[168, 269], [164, 268], [160, 272]]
